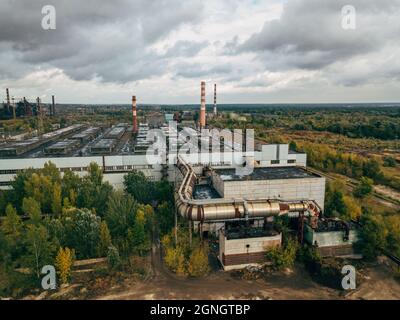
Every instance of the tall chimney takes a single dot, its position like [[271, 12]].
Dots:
[[8, 97], [39, 114], [203, 105], [134, 114], [53, 107], [13, 107], [215, 99]]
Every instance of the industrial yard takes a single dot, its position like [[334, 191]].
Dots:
[[270, 233]]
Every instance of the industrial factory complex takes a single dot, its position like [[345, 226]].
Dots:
[[212, 193]]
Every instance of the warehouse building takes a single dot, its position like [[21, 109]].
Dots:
[[87, 135], [104, 146], [62, 148]]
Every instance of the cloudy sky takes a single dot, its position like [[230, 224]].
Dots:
[[257, 51]]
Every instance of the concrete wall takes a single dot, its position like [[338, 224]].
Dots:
[[245, 249], [239, 246], [330, 238]]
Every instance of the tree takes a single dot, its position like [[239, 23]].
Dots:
[[283, 257], [198, 262], [335, 206], [82, 232], [392, 224], [137, 235], [353, 209], [93, 192], [32, 208], [120, 214], [11, 230], [64, 263], [165, 215], [389, 162], [137, 185], [40, 248], [105, 239], [113, 258], [56, 206], [12, 225], [372, 236], [364, 188]]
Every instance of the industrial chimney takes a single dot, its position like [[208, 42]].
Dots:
[[134, 114], [215, 99], [203, 105], [53, 107], [8, 98]]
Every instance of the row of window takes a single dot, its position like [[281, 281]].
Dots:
[[80, 169]]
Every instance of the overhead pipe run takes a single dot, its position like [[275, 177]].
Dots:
[[225, 209]]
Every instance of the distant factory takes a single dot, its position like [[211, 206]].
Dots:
[[13, 108]]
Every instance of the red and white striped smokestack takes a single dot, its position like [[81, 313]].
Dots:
[[203, 105], [134, 114], [215, 99]]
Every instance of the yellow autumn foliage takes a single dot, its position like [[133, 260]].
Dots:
[[64, 262]]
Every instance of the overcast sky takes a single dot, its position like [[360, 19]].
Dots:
[[257, 51]]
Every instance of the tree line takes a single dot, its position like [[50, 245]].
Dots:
[[49, 219]]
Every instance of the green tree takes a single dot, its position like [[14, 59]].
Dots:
[[137, 235], [283, 257], [113, 258], [137, 185], [32, 208], [389, 162], [165, 215], [93, 192], [11, 230], [82, 232], [372, 236], [105, 239], [120, 214], [364, 188], [40, 248], [335, 205], [56, 201]]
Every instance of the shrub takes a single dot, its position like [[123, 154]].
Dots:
[[198, 262], [113, 258], [283, 257]]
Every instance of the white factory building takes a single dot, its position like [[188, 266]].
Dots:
[[116, 166]]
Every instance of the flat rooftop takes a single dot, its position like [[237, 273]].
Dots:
[[62, 144], [105, 143], [269, 173]]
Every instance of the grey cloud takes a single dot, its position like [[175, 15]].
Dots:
[[109, 40], [198, 70], [185, 48], [309, 34]]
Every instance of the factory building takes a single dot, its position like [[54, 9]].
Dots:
[[62, 148], [104, 146], [17, 148], [87, 135]]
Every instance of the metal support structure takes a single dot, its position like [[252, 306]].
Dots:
[[190, 232]]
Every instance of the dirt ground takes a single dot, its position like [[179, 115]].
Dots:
[[377, 283]]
